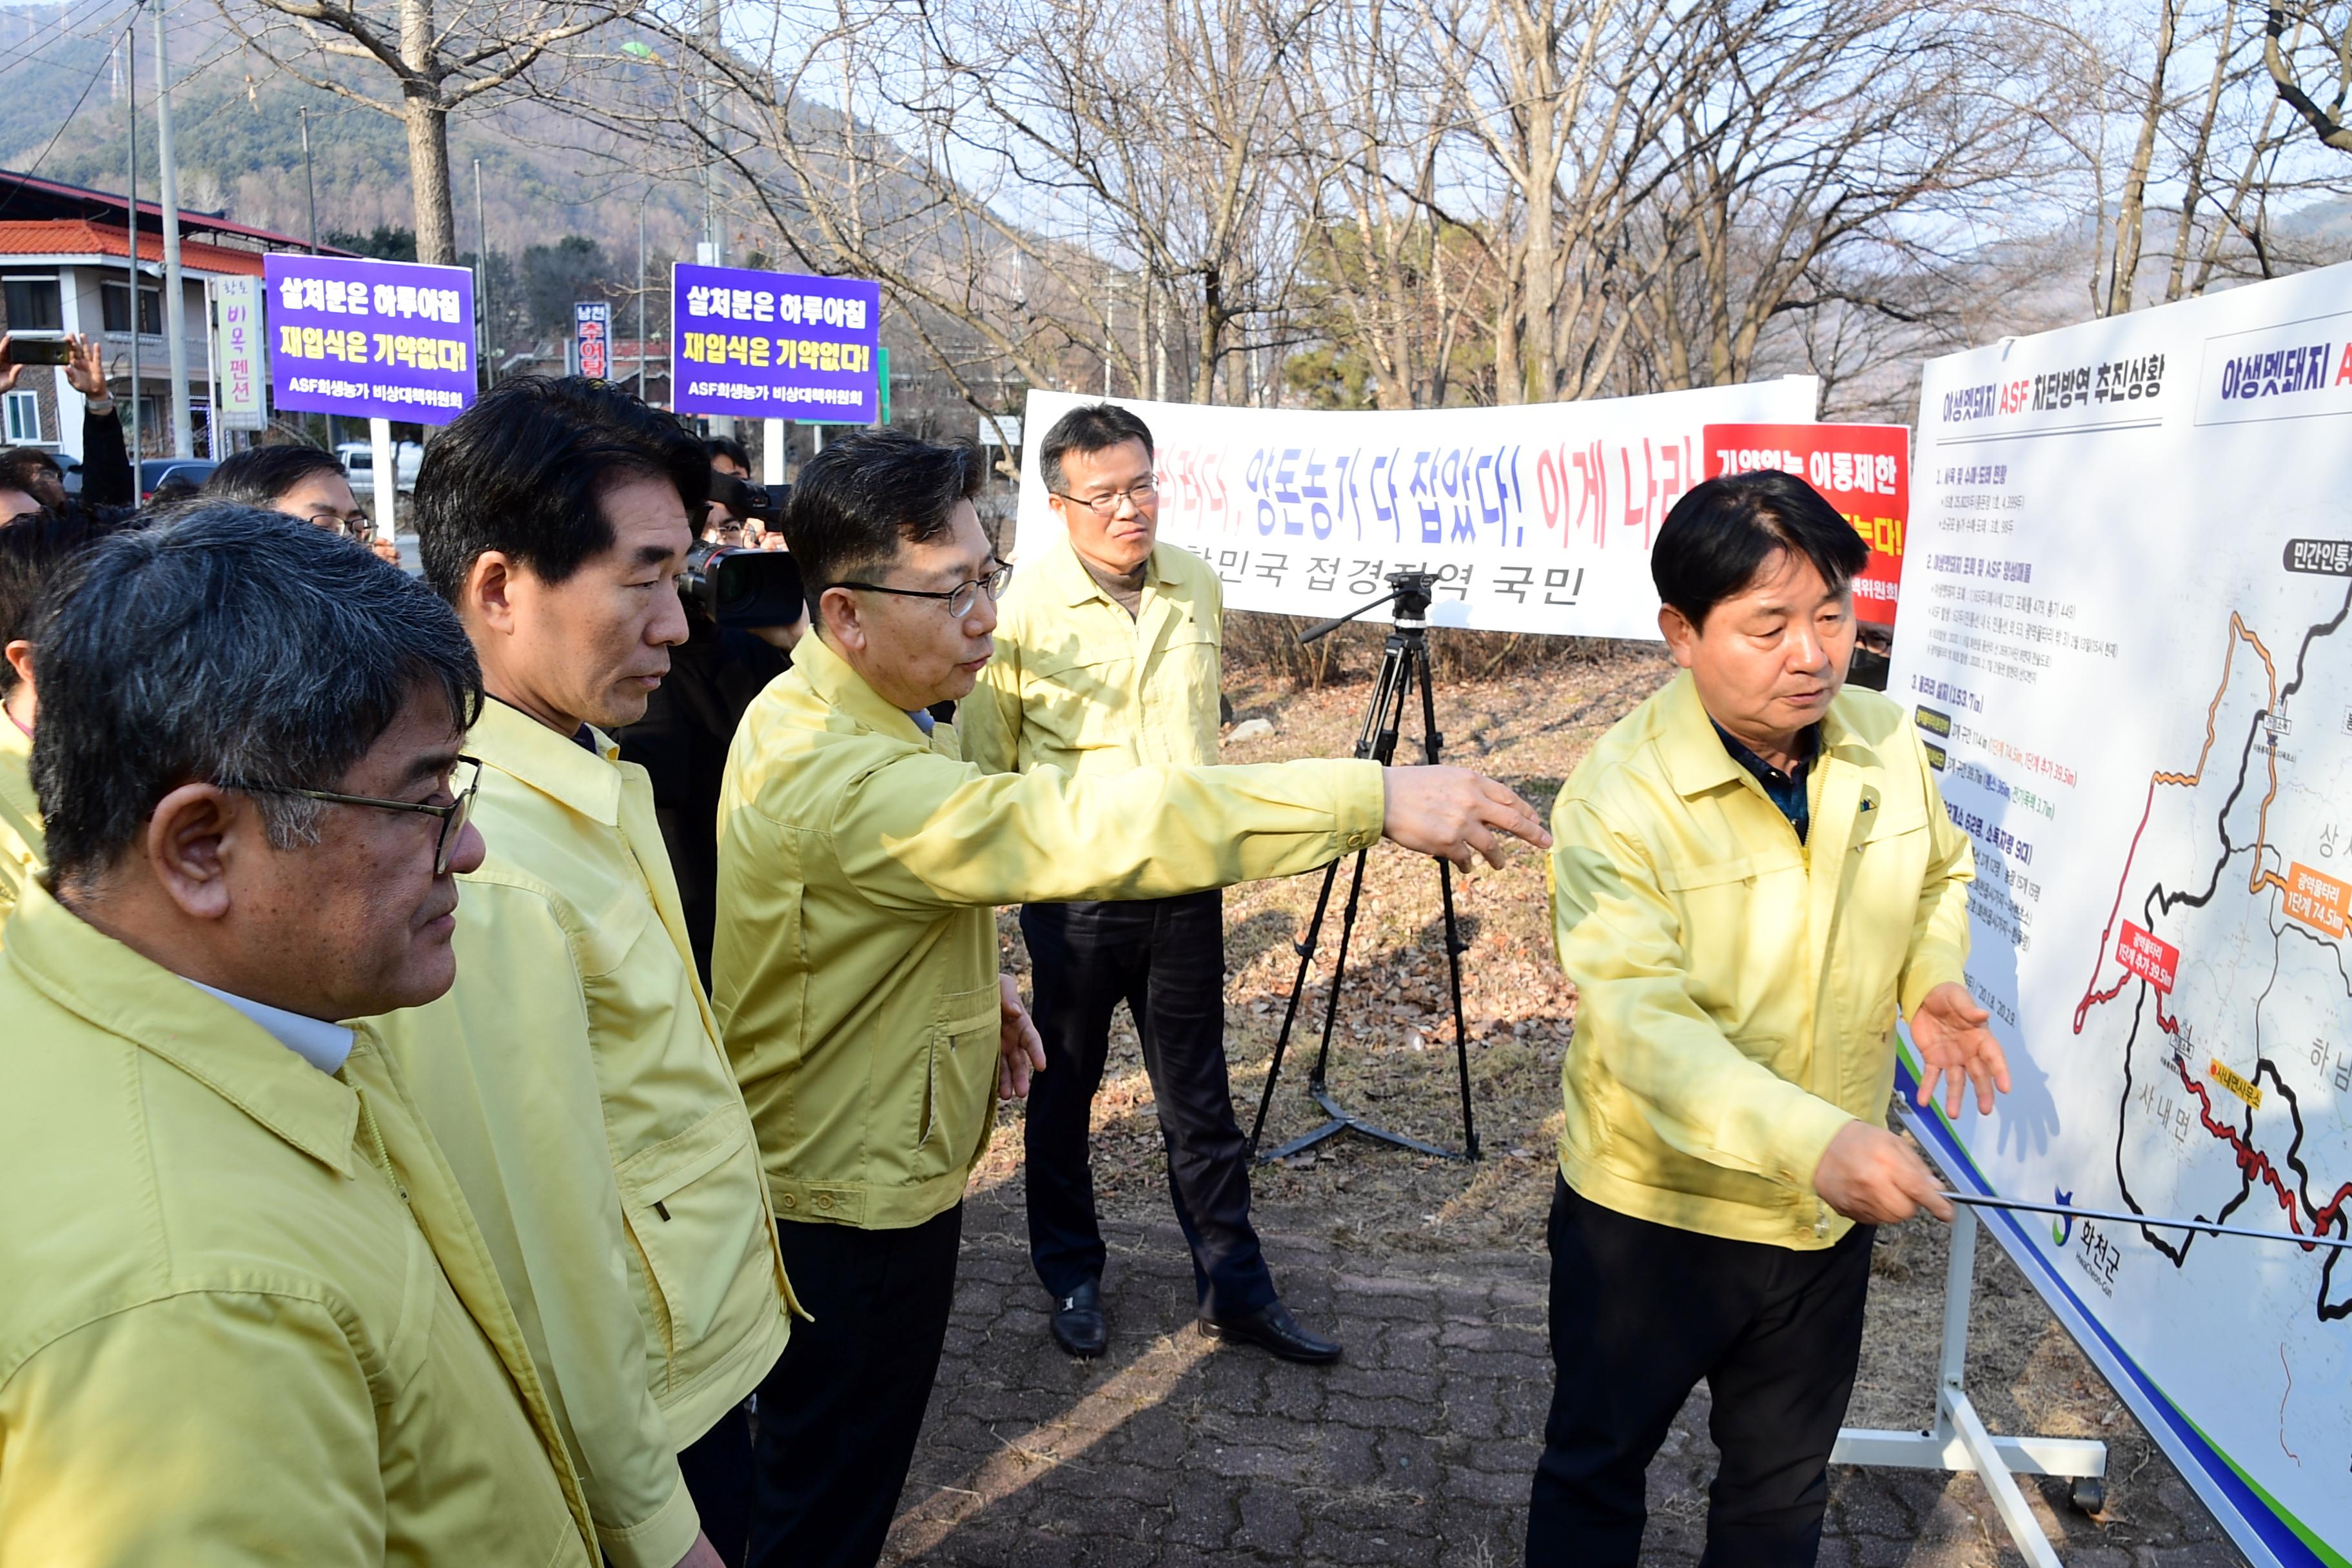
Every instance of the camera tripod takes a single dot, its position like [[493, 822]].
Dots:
[[1405, 664]]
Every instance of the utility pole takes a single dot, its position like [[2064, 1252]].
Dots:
[[641, 298], [714, 226], [485, 354], [310, 186], [175, 305], [131, 78]]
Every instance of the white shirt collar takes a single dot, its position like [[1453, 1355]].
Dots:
[[322, 1044]]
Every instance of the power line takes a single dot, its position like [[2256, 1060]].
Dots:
[[11, 194]]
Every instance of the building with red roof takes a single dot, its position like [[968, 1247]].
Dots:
[[66, 267]]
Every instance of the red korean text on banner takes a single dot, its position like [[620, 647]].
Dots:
[[1863, 470]]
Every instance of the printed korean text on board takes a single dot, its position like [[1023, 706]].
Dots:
[[373, 339], [776, 345]]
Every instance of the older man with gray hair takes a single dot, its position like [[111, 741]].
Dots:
[[248, 1316]]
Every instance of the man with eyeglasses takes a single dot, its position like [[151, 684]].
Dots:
[[248, 1313], [860, 861], [574, 1074], [300, 481], [1106, 659]]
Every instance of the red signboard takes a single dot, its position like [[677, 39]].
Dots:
[[1863, 470], [2153, 960]]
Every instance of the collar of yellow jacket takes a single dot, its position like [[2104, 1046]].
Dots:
[[13, 741], [1695, 755], [519, 746], [96, 978], [844, 690], [1069, 581]]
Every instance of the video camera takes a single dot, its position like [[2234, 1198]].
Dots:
[[747, 500], [746, 587]]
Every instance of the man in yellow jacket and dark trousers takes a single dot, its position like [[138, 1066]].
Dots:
[[1106, 659], [574, 1073], [1753, 871], [245, 1314], [860, 860]]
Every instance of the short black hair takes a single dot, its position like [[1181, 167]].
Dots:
[[728, 446], [32, 549], [524, 471], [17, 465], [865, 494], [259, 475], [1089, 428], [1725, 532], [225, 643]]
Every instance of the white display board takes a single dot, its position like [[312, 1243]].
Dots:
[[1536, 518], [2126, 640]]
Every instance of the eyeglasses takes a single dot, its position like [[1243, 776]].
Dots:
[[960, 599], [354, 526], [454, 816], [1140, 495]]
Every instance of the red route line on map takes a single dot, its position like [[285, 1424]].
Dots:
[[2254, 1163], [2093, 996]]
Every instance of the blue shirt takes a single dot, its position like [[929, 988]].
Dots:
[[1787, 789]]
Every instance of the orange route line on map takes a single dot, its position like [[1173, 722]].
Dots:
[[2261, 877]]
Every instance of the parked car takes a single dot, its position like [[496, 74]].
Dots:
[[358, 459], [154, 471]]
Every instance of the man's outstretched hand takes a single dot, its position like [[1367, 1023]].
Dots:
[[1955, 1046], [1869, 1174], [1022, 1050], [1454, 815]]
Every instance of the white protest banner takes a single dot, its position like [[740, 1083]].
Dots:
[[2128, 644], [1535, 518]]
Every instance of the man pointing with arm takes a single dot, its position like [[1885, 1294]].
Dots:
[[859, 864], [1754, 871]]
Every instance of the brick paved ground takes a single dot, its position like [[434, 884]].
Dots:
[[1417, 1449]]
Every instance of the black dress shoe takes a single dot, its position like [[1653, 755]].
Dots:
[[1078, 1326], [1272, 1328]]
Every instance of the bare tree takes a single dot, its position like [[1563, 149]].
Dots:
[[2320, 105], [428, 60]]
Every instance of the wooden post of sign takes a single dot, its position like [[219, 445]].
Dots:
[[384, 463]]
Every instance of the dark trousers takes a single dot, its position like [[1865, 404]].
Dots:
[[717, 1471], [839, 1414], [1165, 958], [1640, 1314]]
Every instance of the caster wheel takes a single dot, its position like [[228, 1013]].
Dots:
[[2089, 1495]]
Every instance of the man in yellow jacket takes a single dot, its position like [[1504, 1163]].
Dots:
[[1753, 871], [858, 982], [1107, 661], [574, 1073], [247, 1318]]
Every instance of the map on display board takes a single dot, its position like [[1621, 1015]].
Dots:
[[2127, 644], [1535, 518]]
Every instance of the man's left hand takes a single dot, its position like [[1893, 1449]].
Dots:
[[1957, 1047], [1024, 1051]]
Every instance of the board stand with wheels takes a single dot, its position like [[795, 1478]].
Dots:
[[1959, 1441]]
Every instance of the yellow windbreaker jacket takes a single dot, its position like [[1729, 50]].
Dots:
[[1735, 989], [247, 1315], [575, 1078], [1080, 685], [22, 855], [857, 960]]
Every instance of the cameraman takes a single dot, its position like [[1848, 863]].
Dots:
[[729, 654], [108, 489]]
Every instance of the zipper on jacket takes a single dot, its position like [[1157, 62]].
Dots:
[[376, 1145]]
